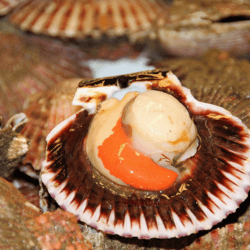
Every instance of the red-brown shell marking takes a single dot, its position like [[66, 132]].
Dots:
[[184, 28], [217, 182], [7, 5], [45, 110], [92, 18]]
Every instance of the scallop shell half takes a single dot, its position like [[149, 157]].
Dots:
[[82, 18], [193, 27], [217, 182], [32, 64]]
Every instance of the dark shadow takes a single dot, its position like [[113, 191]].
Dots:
[[232, 19]]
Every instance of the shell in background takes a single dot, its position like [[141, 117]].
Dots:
[[89, 18], [193, 27], [7, 5], [31, 64], [13, 146], [44, 111], [217, 182]]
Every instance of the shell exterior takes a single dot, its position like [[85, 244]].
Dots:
[[185, 28], [193, 27], [217, 182], [89, 18], [13, 146], [45, 110], [7, 5], [31, 64]]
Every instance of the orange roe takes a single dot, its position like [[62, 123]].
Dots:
[[133, 168]]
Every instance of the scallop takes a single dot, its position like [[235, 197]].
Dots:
[[193, 27], [32, 64], [208, 184], [82, 19]]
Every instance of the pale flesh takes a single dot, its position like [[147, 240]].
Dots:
[[160, 127]]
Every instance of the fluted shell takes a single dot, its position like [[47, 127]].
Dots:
[[228, 237], [30, 64], [217, 182], [45, 110], [89, 18], [7, 5], [193, 27], [13, 146]]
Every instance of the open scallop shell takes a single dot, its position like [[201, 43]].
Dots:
[[217, 183], [193, 27], [82, 18], [30, 64]]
